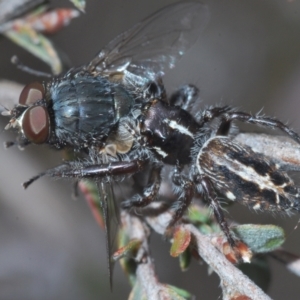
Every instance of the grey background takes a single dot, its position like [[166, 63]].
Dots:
[[50, 246]]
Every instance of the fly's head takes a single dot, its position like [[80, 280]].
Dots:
[[31, 116]]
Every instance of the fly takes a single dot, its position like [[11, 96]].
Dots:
[[94, 109]]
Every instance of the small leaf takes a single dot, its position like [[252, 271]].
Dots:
[[129, 268], [129, 250], [206, 229], [260, 238], [176, 293], [199, 215], [181, 240], [80, 4], [127, 264], [52, 21], [185, 260], [37, 45]]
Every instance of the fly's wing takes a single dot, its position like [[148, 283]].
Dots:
[[111, 221], [154, 44]]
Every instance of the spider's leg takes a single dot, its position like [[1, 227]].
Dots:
[[185, 190], [269, 122], [211, 196], [215, 112], [185, 97]]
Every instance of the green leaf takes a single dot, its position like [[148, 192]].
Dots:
[[166, 291], [199, 215], [80, 4], [176, 293], [128, 264], [129, 268], [206, 229], [185, 260], [36, 44], [128, 250], [261, 238], [181, 240]]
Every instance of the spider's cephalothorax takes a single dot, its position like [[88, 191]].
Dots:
[[114, 112]]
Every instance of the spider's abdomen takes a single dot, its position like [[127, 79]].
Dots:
[[243, 175]]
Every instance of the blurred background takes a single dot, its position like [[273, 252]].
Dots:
[[50, 246]]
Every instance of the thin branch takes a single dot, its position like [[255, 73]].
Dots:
[[233, 281], [146, 277]]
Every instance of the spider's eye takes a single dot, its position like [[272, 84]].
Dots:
[[36, 125], [31, 93]]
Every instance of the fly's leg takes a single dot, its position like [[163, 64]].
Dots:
[[86, 170], [149, 193]]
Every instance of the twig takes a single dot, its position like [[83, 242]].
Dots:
[[233, 281], [146, 277]]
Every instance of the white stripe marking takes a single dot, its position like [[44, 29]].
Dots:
[[180, 128], [160, 152]]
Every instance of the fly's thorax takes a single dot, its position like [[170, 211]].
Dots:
[[87, 108]]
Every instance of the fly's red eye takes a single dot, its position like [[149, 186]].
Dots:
[[31, 93], [36, 124]]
